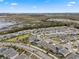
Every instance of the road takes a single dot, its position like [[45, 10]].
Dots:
[[44, 51]]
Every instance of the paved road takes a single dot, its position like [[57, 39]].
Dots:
[[34, 51], [44, 51]]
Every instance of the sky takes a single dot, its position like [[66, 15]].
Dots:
[[39, 6]]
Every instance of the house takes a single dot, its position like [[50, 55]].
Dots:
[[23, 56], [69, 46], [64, 52], [32, 38], [52, 48], [43, 44], [48, 46], [72, 56], [2, 50], [10, 53]]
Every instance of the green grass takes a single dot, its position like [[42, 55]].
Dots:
[[20, 38], [56, 40]]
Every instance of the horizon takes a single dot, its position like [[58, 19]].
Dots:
[[39, 6], [40, 13]]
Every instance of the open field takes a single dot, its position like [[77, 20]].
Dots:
[[18, 39]]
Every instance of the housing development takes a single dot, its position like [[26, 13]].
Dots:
[[39, 36]]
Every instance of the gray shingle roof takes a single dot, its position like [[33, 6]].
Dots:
[[22, 57], [2, 50], [10, 53], [64, 52], [72, 56]]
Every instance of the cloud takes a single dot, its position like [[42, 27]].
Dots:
[[1, 0], [13, 5], [71, 3]]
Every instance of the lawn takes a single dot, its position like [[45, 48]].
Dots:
[[20, 38], [56, 40]]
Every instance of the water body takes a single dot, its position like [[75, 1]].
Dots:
[[4, 24]]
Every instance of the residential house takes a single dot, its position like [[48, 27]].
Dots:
[[72, 56], [10, 53], [23, 56], [64, 52]]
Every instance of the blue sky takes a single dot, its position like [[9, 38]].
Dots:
[[39, 6]]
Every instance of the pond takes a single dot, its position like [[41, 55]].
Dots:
[[4, 24]]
